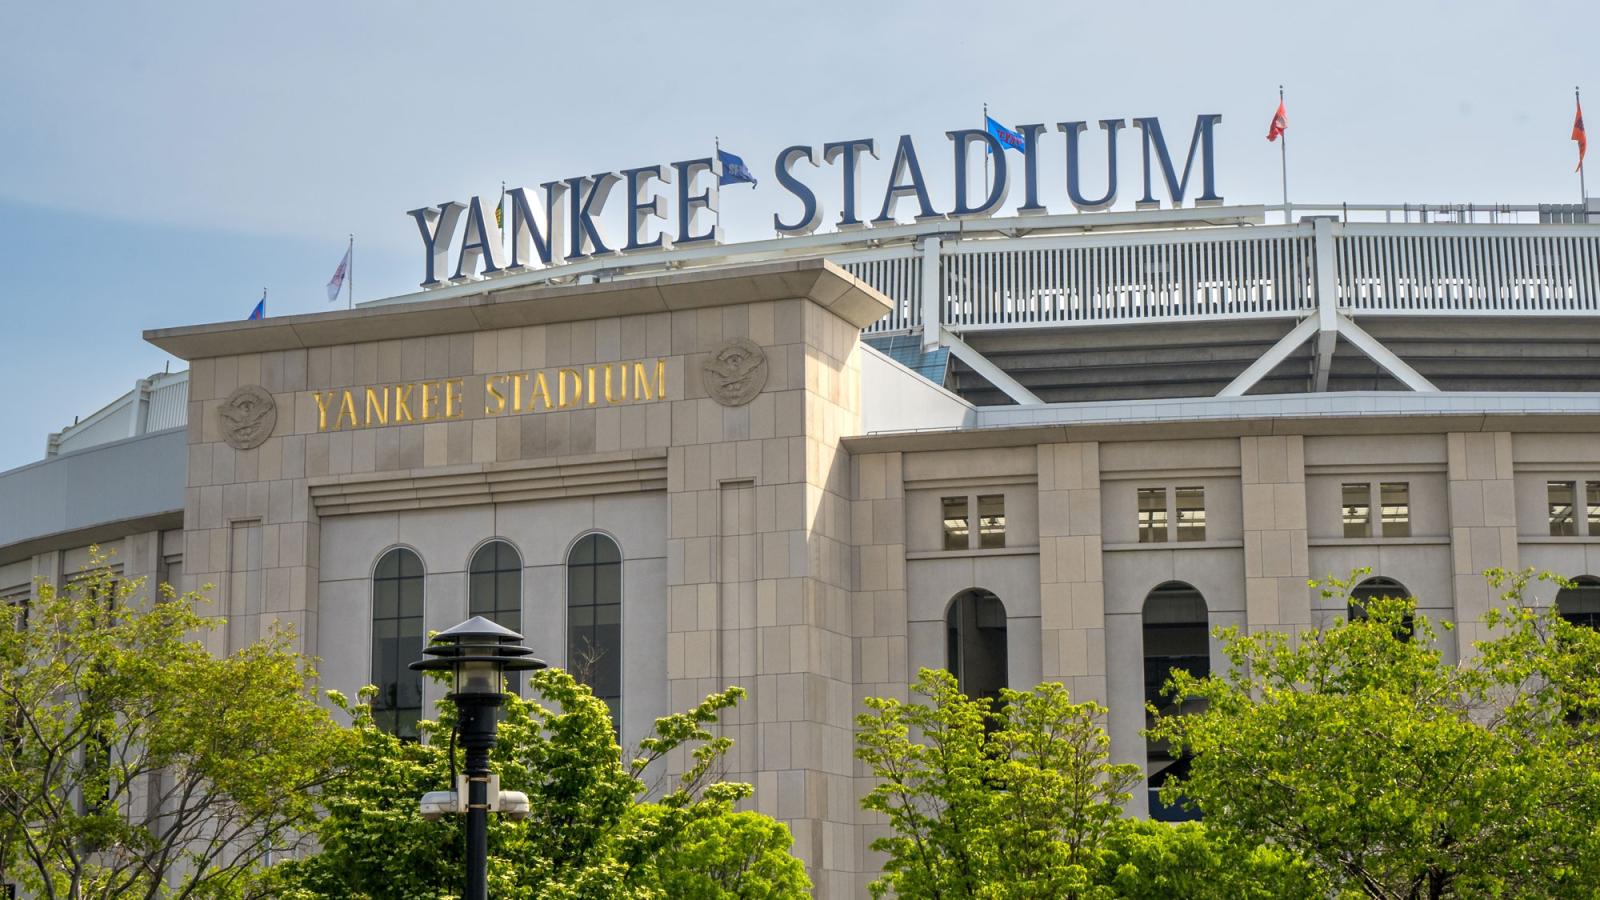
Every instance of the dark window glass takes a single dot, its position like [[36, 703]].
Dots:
[[1376, 588], [1357, 498], [992, 520], [1176, 638], [397, 642], [1580, 604], [494, 591], [975, 629], [956, 526], [594, 618]]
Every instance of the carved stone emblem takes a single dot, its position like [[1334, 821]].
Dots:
[[248, 417], [735, 372]]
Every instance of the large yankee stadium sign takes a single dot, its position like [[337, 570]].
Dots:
[[562, 221]]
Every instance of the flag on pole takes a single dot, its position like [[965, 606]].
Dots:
[[1280, 122], [260, 311], [1579, 136], [734, 171], [336, 283], [500, 208], [1009, 139]]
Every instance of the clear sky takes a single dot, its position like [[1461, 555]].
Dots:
[[161, 163]]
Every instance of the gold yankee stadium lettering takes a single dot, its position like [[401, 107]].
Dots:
[[505, 393]]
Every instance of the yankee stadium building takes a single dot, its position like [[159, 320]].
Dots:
[[1058, 445]]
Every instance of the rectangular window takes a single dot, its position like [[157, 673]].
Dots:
[[956, 523], [1560, 497], [1357, 510], [1592, 500], [1395, 498], [1152, 515], [992, 520], [1191, 513]]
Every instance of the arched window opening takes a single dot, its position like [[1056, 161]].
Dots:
[[594, 618], [1580, 604], [1176, 638], [494, 591], [975, 629], [1376, 588], [397, 642]]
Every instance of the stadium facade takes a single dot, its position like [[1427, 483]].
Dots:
[[1040, 448]]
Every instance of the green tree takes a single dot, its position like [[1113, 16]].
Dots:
[[1014, 802], [1395, 773], [135, 763], [591, 832], [1146, 860]]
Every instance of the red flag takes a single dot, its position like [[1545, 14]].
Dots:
[[1578, 135], [1280, 123]]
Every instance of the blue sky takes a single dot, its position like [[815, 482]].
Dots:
[[161, 164]]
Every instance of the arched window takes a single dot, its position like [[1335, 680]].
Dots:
[[494, 591], [975, 630], [1176, 638], [397, 642], [1376, 588], [1580, 604], [594, 618]]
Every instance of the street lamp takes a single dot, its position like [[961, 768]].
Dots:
[[477, 653]]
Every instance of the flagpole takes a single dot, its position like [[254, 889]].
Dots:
[[1583, 190], [986, 155], [350, 275], [716, 144], [1283, 165]]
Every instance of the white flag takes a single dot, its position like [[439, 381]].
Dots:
[[336, 283]]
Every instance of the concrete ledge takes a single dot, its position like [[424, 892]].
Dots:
[[500, 306]]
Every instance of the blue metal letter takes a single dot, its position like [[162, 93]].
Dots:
[[852, 175], [1030, 170], [810, 209], [589, 200], [481, 241], [690, 207], [1202, 139], [996, 197], [525, 228], [905, 163], [643, 205], [1075, 160], [435, 224]]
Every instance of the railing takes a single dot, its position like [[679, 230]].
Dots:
[[1258, 271], [1237, 272], [1468, 269], [897, 272]]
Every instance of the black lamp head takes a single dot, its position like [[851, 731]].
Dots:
[[478, 652]]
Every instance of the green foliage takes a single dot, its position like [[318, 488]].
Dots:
[[1159, 861], [1395, 773], [108, 699], [590, 834], [1018, 809]]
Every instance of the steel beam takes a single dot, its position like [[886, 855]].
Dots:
[[990, 372], [1384, 357], [1270, 360], [1327, 288]]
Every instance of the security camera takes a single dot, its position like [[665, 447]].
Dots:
[[438, 804], [514, 805]]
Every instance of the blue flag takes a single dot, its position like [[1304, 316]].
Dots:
[[261, 309], [734, 171], [1007, 138]]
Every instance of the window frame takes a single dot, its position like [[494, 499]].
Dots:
[[401, 665], [568, 638]]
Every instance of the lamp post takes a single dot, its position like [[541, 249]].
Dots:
[[477, 653]]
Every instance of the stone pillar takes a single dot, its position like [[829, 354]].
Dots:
[[1072, 617], [1483, 525], [878, 619], [1272, 475], [758, 564]]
